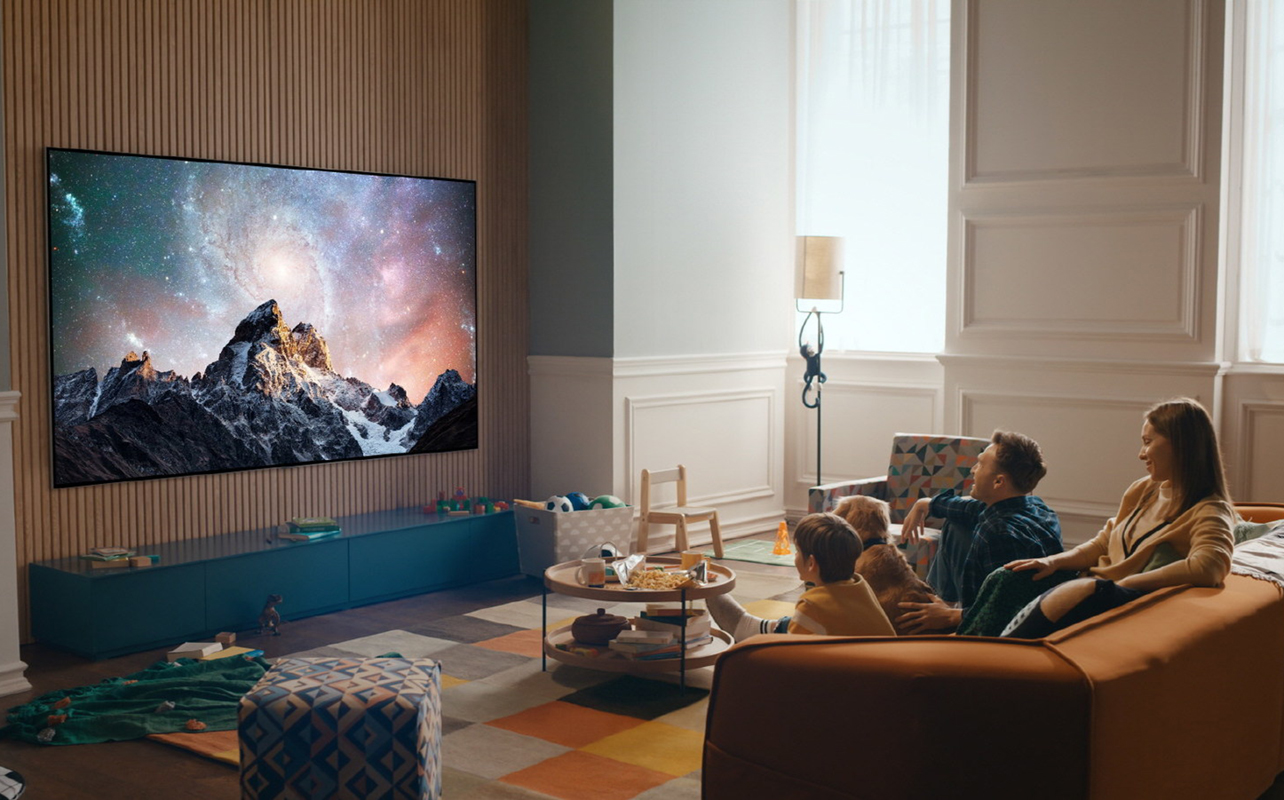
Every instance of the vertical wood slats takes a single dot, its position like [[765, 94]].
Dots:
[[414, 87]]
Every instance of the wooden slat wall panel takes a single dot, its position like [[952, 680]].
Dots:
[[415, 87]]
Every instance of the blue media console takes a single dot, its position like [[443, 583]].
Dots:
[[219, 583]]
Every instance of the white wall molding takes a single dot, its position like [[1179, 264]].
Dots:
[[12, 668], [1182, 325], [968, 399], [804, 460], [637, 409], [1190, 167], [1252, 416], [1193, 369], [654, 366]]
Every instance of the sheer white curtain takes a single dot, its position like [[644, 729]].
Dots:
[[873, 158], [1262, 203]]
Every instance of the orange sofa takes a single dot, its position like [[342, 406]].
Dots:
[[1177, 694]]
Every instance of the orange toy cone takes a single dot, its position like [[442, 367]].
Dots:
[[782, 541]]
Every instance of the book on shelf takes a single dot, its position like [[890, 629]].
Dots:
[[308, 536], [108, 554], [313, 523], [110, 563], [646, 651], [697, 624], [645, 636], [193, 650], [671, 610], [675, 632]]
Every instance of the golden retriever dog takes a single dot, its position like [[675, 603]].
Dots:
[[881, 564]]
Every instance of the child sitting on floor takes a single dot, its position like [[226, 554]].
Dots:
[[840, 603]]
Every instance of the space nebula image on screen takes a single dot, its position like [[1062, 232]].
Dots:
[[209, 316]]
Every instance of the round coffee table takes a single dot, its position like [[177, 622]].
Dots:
[[561, 579]]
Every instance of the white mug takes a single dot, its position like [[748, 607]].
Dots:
[[592, 572]]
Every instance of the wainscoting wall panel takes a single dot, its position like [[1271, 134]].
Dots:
[[403, 87], [1148, 256], [864, 400], [1042, 103]]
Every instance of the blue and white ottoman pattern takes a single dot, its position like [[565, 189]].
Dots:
[[343, 728]]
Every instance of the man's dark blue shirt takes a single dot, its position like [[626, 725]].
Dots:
[[979, 539]]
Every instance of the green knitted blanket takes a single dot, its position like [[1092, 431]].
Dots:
[[161, 699]]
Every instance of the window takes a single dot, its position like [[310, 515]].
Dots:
[[873, 163], [1261, 215]]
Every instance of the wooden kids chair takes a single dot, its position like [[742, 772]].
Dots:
[[681, 515]]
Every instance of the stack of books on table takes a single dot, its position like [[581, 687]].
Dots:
[[658, 633], [108, 557], [308, 529]]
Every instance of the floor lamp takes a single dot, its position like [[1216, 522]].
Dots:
[[819, 277]]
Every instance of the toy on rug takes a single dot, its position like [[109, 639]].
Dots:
[[782, 541], [270, 619]]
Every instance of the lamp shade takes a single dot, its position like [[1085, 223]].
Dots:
[[819, 268]]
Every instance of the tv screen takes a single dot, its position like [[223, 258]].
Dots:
[[209, 316]]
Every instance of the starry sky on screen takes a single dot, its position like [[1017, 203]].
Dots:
[[168, 256]]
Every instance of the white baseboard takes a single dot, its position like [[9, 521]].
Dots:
[[13, 678]]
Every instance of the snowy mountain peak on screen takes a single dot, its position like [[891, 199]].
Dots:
[[271, 397], [134, 379]]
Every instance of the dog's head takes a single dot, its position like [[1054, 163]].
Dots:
[[870, 516]]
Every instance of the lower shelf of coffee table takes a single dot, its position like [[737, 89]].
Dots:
[[697, 657]]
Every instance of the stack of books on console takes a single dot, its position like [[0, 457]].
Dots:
[[108, 557], [308, 529], [658, 633]]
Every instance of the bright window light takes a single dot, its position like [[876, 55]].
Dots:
[[873, 159]]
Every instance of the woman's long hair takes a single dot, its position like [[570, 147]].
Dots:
[[1197, 461]]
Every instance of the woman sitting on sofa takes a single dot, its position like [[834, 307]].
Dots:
[[1181, 504]]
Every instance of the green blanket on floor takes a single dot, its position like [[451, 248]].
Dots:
[[136, 705]]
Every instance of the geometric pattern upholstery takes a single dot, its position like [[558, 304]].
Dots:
[[921, 465], [924, 466], [343, 728]]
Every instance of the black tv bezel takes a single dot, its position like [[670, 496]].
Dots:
[[49, 312]]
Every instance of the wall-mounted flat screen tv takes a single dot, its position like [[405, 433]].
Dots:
[[209, 316]]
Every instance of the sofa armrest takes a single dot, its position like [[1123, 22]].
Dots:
[[826, 496]]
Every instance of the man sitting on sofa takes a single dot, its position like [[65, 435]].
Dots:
[[1001, 521]]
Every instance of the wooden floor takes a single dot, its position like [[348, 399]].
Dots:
[[136, 770]]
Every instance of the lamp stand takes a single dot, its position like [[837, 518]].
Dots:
[[813, 375]]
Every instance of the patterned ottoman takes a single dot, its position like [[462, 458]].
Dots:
[[343, 728]]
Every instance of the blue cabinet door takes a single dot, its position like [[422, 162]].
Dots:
[[312, 577]]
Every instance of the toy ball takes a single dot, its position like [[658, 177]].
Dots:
[[607, 501], [579, 500], [558, 503]]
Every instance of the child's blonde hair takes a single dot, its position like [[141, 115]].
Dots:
[[870, 516]]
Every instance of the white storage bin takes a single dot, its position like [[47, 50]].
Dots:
[[545, 538]]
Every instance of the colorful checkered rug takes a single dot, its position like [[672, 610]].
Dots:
[[512, 730]]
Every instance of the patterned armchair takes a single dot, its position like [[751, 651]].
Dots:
[[921, 465]]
